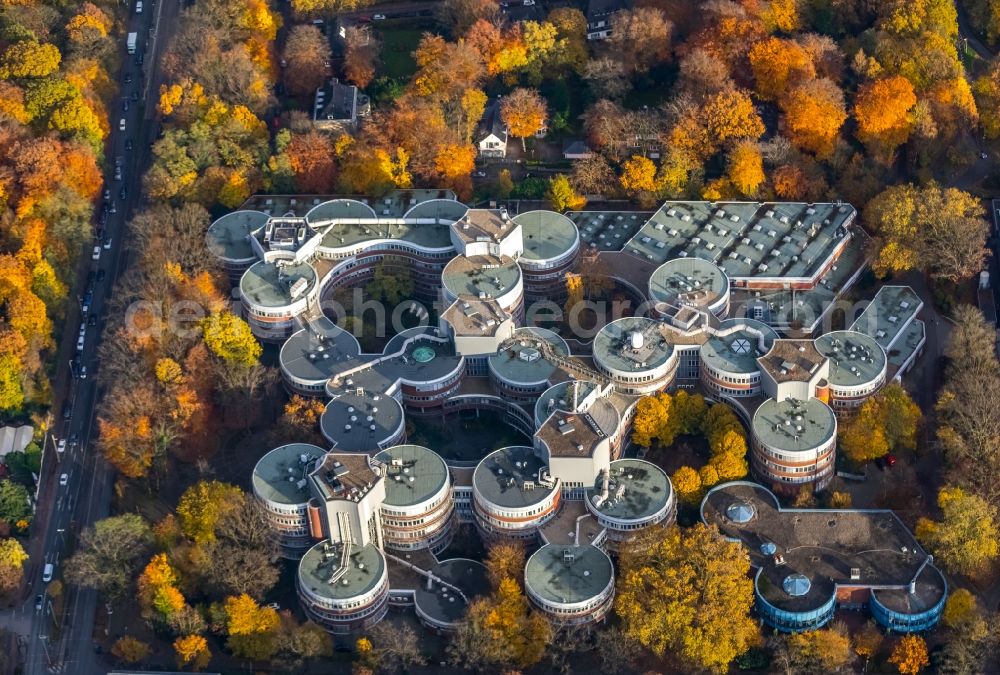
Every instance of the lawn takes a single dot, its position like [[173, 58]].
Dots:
[[398, 44]]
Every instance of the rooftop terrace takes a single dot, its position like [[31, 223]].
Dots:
[[480, 274], [737, 352], [343, 475], [637, 490], [280, 475], [520, 361], [229, 236], [361, 422], [364, 570], [792, 425], [568, 574], [854, 357], [546, 234], [501, 476], [791, 360], [614, 347], [268, 285], [825, 546], [413, 474]]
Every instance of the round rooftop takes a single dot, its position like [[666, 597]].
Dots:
[[500, 476], [444, 211], [855, 358], [567, 575], [521, 360], [339, 210], [315, 353], [413, 474], [268, 285], [229, 236], [441, 603], [736, 348], [645, 491], [794, 426], [546, 235], [361, 413], [365, 570], [615, 345], [280, 475], [560, 397], [473, 275], [688, 281]]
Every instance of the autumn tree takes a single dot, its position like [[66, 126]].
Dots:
[[12, 559], [108, 555], [203, 505], [827, 650], [638, 175], [306, 60], [29, 59], [934, 228], [687, 591], [395, 646], [500, 631], [885, 423], [562, 196], [192, 650], [250, 627], [778, 65], [910, 655], [688, 484], [524, 112], [965, 539], [746, 168], [505, 560], [229, 337], [867, 641], [159, 596], [361, 55], [641, 38], [460, 15], [130, 650], [814, 112], [594, 176], [882, 112]]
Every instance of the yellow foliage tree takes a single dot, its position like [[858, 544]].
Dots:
[[746, 167], [965, 541], [229, 337], [562, 196], [730, 466], [245, 617], [778, 64], [882, 111], [192, 650], [814, 112], [960, 609], [687, 591], [504, 618], [910, 655], [130, 649], [708, 476], [29, 59], [687, 483], [638, 175], [202, 506]]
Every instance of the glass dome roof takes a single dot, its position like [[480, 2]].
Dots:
[[796, 584], [767, 548], [740, 512]]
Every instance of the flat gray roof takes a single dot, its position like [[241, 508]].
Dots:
[[688, 281], [319, 350], [267, 285], [907, 343], [778, 424], [546, 234], [443, 603], [446, 211], [791, 239], [413, 474], [339, 209], [560, 397], [568, 574], [278, 473], [607, 230], [501, 475], [472, 275], [646, 490], [888, 314], [822, 545], [520, 360], [351, 409], [613, 347], [854, 357], [364, 569], [229, 236], [393, 205], [737, 352], [380, 376]]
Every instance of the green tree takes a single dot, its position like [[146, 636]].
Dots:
[[14, 502], [689, 592], [390, 284], [203, 505], [109, 553]]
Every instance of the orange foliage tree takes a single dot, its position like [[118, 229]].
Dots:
[[882, 111]]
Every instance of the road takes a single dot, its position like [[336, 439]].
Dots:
[[58, 637]]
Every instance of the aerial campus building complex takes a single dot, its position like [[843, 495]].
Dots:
[[714, 288]]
